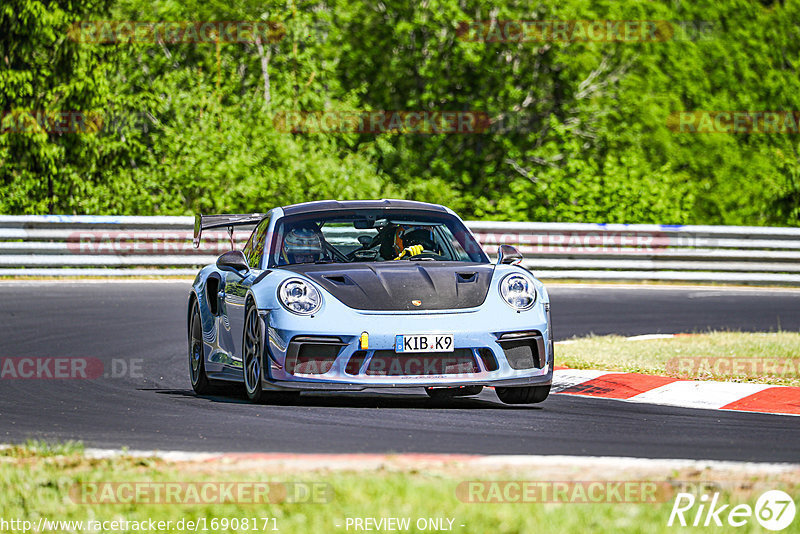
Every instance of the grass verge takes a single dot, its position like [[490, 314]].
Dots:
[[768, 358], [37, 483]]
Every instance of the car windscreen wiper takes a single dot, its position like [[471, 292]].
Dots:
[[423, 258]]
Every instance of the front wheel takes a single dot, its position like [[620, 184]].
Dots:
[[253, 359], [197, 364], [523, 395], [252, 349]]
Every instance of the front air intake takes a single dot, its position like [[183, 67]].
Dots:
[[523, 350], [489, 361], [355, 362], [312, 355]]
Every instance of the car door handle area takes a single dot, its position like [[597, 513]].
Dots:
[[221, 295]]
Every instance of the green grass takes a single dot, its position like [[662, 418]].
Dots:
[[41, 449], [36, 484], [778, 353]]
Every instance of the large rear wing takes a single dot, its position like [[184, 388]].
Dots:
[[229, 221]]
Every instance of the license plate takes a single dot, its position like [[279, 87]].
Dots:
[[424, 343]]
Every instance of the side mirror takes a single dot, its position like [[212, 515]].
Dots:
[[235, 262], [506, 254]]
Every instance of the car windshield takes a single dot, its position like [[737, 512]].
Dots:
[[371, 236]]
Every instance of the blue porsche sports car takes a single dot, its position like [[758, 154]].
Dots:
[[367, 294]]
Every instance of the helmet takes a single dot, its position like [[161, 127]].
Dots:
[[406, 236], [397, 237], [420, 236], [302, 245]]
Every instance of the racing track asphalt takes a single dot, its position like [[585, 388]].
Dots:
[[157, 409]]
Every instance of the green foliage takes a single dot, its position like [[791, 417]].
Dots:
[[42, 70], [583, 130], [579, 130]]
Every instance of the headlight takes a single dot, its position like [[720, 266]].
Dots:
[[518, 291], [299, 297]]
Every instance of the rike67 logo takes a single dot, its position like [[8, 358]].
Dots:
[[774, 510]]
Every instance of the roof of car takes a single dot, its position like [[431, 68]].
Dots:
[[347, 205]]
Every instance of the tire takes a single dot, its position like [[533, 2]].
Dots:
[[197, 364], [449, 393], [523, 395], [253, 362], [252, 355]]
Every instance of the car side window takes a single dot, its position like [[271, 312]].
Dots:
[[254, 249]]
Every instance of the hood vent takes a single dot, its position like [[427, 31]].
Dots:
[[338, 279], [465, 278]]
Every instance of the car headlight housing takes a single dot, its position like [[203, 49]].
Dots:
[[300, 297], [518, 291]]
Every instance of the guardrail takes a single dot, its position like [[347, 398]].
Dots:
[[53, 245]]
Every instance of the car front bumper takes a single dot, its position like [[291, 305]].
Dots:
[[316, 353]]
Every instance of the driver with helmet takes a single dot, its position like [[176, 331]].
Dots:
[[302, 245], [411, 241]]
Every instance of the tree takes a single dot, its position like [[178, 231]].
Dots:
[[47, 78]]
